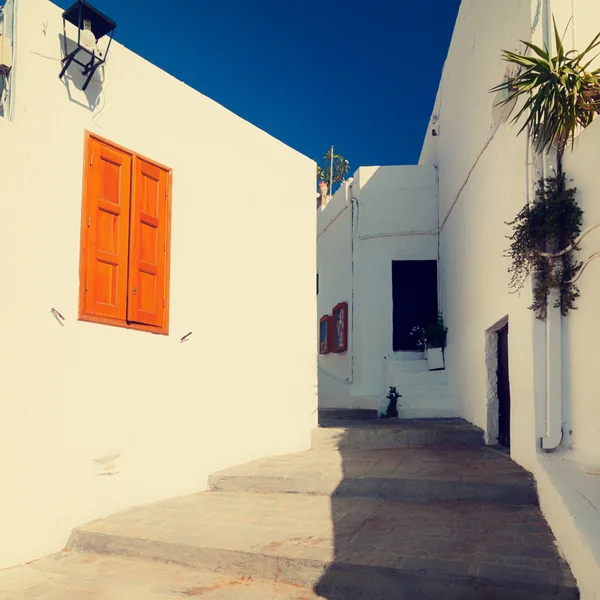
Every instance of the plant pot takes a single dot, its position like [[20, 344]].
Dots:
[[435, 359]]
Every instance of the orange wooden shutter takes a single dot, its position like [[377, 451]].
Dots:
[[105, 237], [148, 246]]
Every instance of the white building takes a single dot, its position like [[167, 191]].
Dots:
[[377, 251], [474, 175], [104, 401]]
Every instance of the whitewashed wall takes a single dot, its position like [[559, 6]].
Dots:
[[395, 218], [491, 185], [581, 330], [242, 280], [392, 200], [485, 177], [334, 268]]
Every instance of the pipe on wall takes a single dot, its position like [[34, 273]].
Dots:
[[351, 203], [553, 436], [553, 433]]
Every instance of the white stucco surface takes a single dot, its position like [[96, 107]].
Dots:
[[334, 268], [581, 329], [242, 280], [490, 187], [486, 175], [395, 218]]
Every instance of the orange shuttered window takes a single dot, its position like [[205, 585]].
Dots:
[[124, 239], [148, 243]]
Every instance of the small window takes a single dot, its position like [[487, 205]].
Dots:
[[125, 235], [325, 334], [340, 327]]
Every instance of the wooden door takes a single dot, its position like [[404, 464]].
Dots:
[[503, 389]]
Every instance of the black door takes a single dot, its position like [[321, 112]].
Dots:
[[415, 301], [503, 389]]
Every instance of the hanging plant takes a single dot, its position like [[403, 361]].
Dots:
[[541, 231], [562, 97]]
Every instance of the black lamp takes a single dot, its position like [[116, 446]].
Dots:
[[91, 26]]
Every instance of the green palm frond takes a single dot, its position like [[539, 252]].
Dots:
[[561, 94]]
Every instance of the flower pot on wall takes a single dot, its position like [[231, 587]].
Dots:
[[435, 359]]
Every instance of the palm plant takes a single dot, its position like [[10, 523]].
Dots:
[[340, 169], [562, 94]]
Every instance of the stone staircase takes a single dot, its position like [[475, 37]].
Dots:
[[377, 509], [424, 393]]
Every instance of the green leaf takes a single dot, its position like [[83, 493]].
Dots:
[[559, 45]]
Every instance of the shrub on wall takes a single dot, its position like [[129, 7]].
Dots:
[[542, 233], [561, 98]]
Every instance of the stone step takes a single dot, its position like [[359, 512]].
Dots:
[[434, 378], [408, 366], [394, 433], [435, 474], [425, 391], [346, 548], [328, 414], [407, 356], [90, 576]]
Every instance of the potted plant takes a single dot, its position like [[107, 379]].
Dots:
[[435, 342], [432, 340]]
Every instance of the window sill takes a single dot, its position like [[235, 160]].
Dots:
[[123, 324]]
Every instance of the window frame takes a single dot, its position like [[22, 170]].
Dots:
[[325, 345], [84, 316], [343, 345]]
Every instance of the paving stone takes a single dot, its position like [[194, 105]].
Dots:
[[409, 474], [366, 434], [435, 516], [79, 576], [318, 531]]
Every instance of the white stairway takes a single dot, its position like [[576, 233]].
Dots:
[[425, 394]]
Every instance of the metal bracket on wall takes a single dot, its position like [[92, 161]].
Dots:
[[573, 246], [58, 316], [185, 337], [585, 263]]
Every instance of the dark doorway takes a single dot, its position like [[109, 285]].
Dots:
[[503, 389], [415, 301]]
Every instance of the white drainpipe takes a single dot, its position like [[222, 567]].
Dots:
[[351, 202], [553, 434]]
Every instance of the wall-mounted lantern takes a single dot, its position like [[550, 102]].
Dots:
[[91, 26]]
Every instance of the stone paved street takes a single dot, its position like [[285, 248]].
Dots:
[[75, 576], [226, 531], [432, 514]]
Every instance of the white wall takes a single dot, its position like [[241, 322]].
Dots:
[[242, 280], [485, 168], [485, 177], [581, 330], [334, 268], [395, 218], [392, 200]]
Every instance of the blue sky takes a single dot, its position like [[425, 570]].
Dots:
[[359, 74]]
